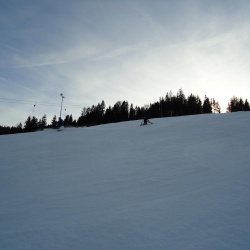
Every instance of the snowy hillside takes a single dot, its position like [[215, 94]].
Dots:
[[181, 183]]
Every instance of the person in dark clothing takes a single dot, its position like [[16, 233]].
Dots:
[[60, 123], [145, 121]]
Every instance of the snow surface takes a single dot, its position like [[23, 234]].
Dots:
[[181, 183]]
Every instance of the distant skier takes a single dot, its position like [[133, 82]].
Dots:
[[60, 124], [145, 121]]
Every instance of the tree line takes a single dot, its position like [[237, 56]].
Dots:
[[168, 106]]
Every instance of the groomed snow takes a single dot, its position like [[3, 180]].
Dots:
[[181, 183]]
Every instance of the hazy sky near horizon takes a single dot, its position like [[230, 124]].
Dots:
[[115, 50]]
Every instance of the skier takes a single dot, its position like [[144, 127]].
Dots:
[[145, 121], [60, 124]]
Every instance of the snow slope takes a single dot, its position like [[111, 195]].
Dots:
[[181, 183]]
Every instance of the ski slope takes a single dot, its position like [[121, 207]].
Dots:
[[181, 183]]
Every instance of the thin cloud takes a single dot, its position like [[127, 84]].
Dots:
[[125, 50], [41, 64], [4, 80], [12, 48]]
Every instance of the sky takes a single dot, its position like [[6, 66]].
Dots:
[[117, 50]]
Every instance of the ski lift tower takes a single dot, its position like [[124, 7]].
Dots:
[[61, 103]]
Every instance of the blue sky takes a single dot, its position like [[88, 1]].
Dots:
[[116, 50]]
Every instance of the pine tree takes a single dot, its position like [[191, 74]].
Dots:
[[124, 111], [34, 123], [66, 121], [240, 105], [70, 120], [40, 127], [28, 126], [132, 112], [246, 106], [180, 103], [108, 116], [194, 105], [206, 107], [44, 121], [54, 122], [31, 124], [235, 104], [116, 110]]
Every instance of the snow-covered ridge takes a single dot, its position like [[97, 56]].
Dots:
[[181, 183]]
